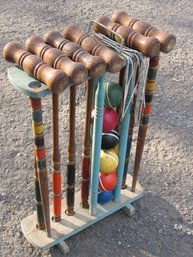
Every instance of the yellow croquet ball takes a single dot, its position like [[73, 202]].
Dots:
[[108, 161]]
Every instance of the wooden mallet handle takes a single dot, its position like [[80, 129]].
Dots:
[[96, 65], [76, 72], [56, 80], [166, 39], [95, 47], [149, 46]]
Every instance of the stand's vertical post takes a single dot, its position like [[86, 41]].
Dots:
[[123, 143], [130, 132], [40, 155], [96, 145]]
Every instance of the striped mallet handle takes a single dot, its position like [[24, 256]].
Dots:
[[40, 155], [144, 119], [86, 146], [71, 153], [39, 206], [56, 172]]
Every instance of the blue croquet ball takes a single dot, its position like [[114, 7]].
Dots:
[[104, 197]]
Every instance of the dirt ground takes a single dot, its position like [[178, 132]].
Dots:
[[163, 223]]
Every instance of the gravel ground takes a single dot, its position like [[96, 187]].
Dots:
[[163, 223]]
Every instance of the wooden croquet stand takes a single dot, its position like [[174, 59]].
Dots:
[[151, 43], [69, 225]]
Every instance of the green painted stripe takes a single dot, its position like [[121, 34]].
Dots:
[[148, 97], [152, 74], [41, 164], [39, 209], [40, 215], [37, 192], [144, 120]]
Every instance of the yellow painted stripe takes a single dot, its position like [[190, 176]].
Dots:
[[38, 129], [150, 85]]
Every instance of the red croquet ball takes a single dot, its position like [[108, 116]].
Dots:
[[110, 119], [107, 182]]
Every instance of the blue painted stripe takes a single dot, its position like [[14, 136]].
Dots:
[[37, 116]]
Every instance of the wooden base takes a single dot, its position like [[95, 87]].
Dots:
[[71, 225]]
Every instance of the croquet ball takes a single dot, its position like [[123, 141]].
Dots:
[[104, 197], [116, 149], [107, 181], [113, 94], [109, 140], [108, 161], [110, 119]]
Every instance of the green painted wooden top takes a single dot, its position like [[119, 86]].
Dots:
[[26, 84]]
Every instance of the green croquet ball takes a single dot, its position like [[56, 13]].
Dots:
[[113, 94]]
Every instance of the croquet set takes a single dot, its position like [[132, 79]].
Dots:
[[60, 60]]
